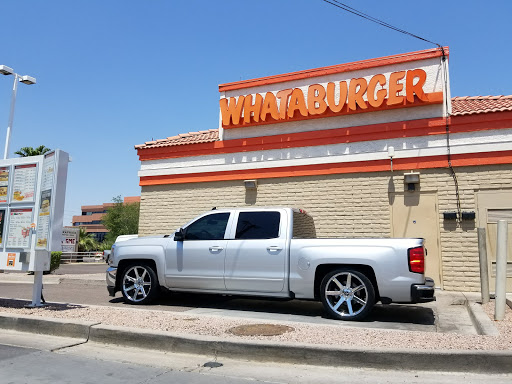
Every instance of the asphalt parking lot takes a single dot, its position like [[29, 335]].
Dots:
[[83, 283]]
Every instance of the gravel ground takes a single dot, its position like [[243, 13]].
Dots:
[[343, 336]]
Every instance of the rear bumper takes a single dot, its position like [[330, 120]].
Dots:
[[111, 280], [423, 293]]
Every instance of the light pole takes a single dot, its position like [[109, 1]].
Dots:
[[5, 70]]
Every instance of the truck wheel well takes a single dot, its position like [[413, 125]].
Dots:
[[324, 269], [124, 263]]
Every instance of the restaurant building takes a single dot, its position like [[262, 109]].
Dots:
[[375, 148]]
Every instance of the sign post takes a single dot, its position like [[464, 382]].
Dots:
[[32, 194]]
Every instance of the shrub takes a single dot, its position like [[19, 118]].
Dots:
[[55, 261]]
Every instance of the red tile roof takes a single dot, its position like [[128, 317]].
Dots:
[[480, 104], [460, 106], [182, 139]]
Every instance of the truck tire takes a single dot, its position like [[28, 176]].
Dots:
[[139, 284], [347, 294]]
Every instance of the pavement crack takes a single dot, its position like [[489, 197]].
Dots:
[[78, 343], [68, 346]]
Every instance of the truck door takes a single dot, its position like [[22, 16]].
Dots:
[[256, 257], [197, 262]]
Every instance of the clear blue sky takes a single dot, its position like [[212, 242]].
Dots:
[[113, 74]]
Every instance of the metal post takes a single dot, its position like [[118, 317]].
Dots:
[[484, 269], [501, 271], [37, 289], [11, 116]]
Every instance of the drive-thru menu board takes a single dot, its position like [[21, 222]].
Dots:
[[32, 196], [4, 183], [18, 234], [24, 183], [43, 221]]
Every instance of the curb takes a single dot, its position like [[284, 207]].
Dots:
[[415, 360], [481, 322], [46, 326]]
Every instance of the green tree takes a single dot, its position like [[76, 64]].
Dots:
[[29, 151], [87, 242], [121, 219]]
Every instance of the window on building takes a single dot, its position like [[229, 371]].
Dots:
[[258, 225], [211, 227], [99, 236]]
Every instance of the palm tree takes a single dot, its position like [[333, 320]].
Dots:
[[29, 151], [86, 242]]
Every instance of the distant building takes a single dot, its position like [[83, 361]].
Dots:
[[91, 217]]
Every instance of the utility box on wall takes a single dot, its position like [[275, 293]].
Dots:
[[32, 195]]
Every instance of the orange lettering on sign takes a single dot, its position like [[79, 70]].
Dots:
[[297, 103], [376, 99], [231, 111], [283, 102], [412, 89], [402, 89], [252, 110], [395, 87], [269, 106], [316, 95], [356, 91], [331, 96]]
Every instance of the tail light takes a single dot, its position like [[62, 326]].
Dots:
[[416, 259]]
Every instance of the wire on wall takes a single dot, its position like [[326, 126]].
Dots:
[[444, 59]]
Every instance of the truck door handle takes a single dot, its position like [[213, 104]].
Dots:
[[216, 248], [274, 248]]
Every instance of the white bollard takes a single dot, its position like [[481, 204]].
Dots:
[[37, 289], [501, 271], [484, 270]]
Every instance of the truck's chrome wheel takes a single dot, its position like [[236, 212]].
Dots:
[[347, 294], [138, 284]]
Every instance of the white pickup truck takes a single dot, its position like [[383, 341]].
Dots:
[[271, 252]]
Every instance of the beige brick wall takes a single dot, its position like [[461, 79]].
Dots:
[[351, 205], [342, 205]]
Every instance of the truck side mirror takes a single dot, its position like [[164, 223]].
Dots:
[[179, 235]]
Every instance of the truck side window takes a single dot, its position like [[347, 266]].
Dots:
[[211, 227], [258, 225]]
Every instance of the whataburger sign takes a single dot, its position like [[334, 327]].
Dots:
[[379, 92]]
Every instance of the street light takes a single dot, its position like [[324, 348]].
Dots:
[[5, 70]]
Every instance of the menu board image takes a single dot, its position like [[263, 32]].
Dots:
[[2, 222], [4, 183], [24, 183], [43, 221], [18, 234], [48, 171]]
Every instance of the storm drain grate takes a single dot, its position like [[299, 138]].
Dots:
[[260, 330], [212, 364]]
